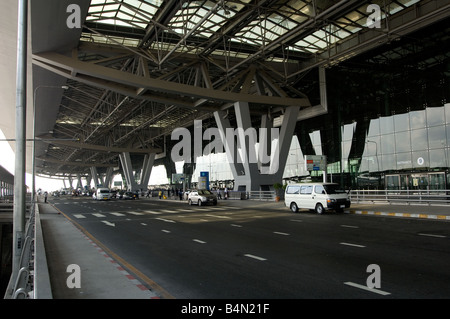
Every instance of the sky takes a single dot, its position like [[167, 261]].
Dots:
[[7, 160]]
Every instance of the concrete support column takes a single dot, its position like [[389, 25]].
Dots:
[[79, 182], [97, 179], [70, 182], [125, 160], [109, 177], [146, 170], [88, 181], [253, 169], [147, 166]]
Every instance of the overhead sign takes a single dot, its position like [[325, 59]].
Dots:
[[315, 163], [177, 178], [203, 180]]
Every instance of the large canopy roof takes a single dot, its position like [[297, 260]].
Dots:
[[137, 69]]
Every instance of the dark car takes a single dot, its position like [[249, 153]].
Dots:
[[130, 195]]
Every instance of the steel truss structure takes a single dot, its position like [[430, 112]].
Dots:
[[141, 68]]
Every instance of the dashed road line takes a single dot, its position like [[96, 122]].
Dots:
[[152, 212], [217, 216], [117, 214], [199, 241], [280, 233], [165, 220], [432, 235], [136, 213], [255, 257], [353, 245]]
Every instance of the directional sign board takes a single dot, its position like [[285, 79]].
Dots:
[[203, 180], [177, 178], [315, 163]]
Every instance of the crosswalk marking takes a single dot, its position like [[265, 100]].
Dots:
[[159, 212], [117, 214], [152, 212], [135, 213]]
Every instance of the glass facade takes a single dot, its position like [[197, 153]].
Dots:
[[387, 124], [402, 151]]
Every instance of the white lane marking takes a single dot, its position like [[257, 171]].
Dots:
[[143, 224], [217, 216], [255, 257], [168, 211], [79, 216], [349, 226], [280, 233], [108, 223], [98, 215], [199, 241], [432, 235], [296, 220], [166, 220], [234, 225], [136, 213], [152, 212], [374, 290], [117, 214], [353, 245], [165, 231]]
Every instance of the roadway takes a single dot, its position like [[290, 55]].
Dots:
[[258, 250]]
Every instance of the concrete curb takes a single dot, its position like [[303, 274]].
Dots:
[[408, 215]]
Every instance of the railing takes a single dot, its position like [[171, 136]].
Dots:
[[261, 195], [31, 279], [21, 282], [408, 197]]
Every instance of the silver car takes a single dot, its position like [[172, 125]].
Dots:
[[202, 197]]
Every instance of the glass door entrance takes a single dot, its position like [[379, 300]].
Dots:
[[419, 181]]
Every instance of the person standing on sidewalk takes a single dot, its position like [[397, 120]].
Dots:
[[45, 196]]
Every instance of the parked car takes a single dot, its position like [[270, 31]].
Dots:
[[202, 197], [319, 197], [130, 195], [102, 194]]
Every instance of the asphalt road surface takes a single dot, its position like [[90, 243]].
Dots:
[[253, 250]]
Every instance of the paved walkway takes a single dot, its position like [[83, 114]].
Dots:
[[101, 277]]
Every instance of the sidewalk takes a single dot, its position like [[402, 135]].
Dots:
[[101, 276]]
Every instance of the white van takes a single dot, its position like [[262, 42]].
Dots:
[[102, 194], [319, 197]]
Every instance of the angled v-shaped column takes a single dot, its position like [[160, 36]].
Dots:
[[147, 166], [253, 169]]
